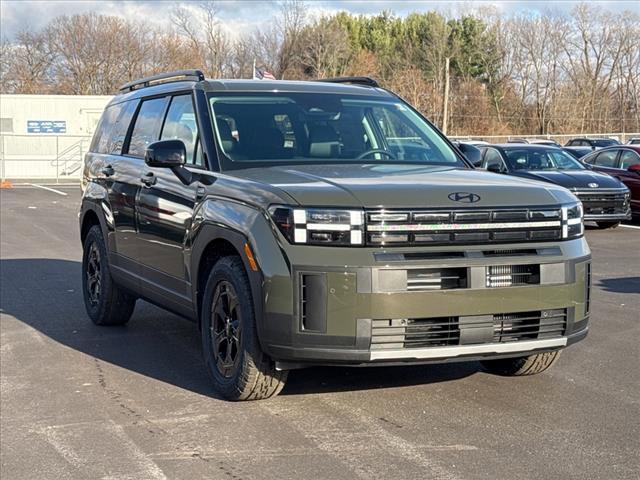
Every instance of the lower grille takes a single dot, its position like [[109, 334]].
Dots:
[[509, 327], [415, 333], [445, 331]]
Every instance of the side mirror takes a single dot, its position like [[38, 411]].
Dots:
[[634, 168], [166, 154], [471, 153], [495, 168]]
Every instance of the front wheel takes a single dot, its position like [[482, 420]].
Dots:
[[520, 366], [605, 225], [232, 353], [106, 303]]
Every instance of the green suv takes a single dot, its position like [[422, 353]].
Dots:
[[322, 223]]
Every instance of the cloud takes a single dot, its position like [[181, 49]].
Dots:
[[238, 16]]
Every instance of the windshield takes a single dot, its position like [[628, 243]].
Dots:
[[551, 159], [263, 129]]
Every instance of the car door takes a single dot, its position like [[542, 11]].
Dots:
[[630, 179], [120, 176], [165, 209]]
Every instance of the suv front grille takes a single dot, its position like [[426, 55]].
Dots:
[[511, 327], [440, 227], [446, 331], [602, 203]]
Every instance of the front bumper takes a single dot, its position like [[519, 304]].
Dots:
[[380, 307], [605, 205]]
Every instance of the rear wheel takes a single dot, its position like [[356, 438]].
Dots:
[[605, 225], [106, 303], [516, 367], [239, 368]]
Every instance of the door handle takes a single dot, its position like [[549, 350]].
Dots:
[[200, 192], [108, 171], [149, 179]]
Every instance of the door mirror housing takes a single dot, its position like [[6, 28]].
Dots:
[[634, 168], [495, 168], [166, 154]]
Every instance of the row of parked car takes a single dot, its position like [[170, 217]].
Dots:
[[603, 173]]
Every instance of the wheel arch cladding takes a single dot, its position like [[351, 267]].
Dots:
[[89, 219]]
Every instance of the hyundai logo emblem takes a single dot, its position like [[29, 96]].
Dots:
[[593, 185], [464, 197]]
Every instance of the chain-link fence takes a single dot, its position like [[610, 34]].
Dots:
[[55, 158]]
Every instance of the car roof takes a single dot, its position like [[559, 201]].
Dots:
[[239, 85], [525, 146], [635, 148]]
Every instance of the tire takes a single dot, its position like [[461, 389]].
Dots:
[[605, 225], [232, 353], [106, 303], [521, 366]]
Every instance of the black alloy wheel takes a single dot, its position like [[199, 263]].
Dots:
[[226, 329]]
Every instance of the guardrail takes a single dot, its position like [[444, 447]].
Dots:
[[56, 158]]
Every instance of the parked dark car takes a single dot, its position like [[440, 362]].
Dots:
[[578, 152], [594, 143], [605, 199], [634, 141], [623, 163]]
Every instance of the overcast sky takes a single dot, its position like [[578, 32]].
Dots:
[[241, 15]]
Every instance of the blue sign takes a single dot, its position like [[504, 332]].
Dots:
[[46, 126]]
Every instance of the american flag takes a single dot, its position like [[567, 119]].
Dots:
[[261, 74]]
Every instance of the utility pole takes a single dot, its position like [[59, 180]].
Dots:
[[445, 101]]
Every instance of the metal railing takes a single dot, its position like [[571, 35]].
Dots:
[[51, 158], [59, 158]]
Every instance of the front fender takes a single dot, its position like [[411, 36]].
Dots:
[[95, 199], [239, 223]]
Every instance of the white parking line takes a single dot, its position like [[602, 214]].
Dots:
[[631, 226], [49, 189]]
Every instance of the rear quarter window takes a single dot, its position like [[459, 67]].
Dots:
[[147, 125]]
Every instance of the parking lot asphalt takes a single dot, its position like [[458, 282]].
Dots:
[[135, 402]]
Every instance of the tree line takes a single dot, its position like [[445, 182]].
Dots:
[[532, 74]]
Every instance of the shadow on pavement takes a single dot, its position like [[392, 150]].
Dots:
[[621, 285], [46, 295]]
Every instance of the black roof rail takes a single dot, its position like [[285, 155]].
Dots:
[[368, 81], [168, 77]]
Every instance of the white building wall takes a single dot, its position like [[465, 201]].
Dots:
[[26, 154]]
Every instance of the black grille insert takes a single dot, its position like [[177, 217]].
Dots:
[[421, 279], [445, 331]]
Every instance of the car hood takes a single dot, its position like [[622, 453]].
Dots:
[[572, 179], [402, 186]]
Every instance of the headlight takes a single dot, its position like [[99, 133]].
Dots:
[[572, 224], [319, 226]]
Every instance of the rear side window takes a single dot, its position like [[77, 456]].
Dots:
[[606, 159], [147, 125], [119, 131], [181, 124], [628, 158], [100, 141]]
